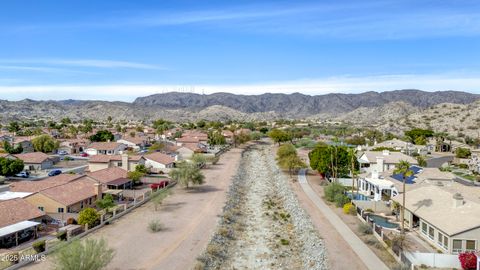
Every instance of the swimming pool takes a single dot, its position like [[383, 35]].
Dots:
[[359, 197], [382, 221]]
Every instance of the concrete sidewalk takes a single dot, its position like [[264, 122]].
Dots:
[[363, 251]]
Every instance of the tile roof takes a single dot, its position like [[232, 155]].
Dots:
[[160, 158], [390, 158], [71, 192], [435, 205], [33, 158], [36, 186], [17, 210], [109, 174], [105, 145], [134, 140], [108, 158]]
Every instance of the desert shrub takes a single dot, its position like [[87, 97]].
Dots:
[[371, 241], [349, 208], [332, 190], [89, 254], [364, 228], [62, 235], [341, 199], [39, 246], [155, 226], [284, 242]]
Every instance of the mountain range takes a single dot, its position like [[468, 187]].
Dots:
[[368, 106]]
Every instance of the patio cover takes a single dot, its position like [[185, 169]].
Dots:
[[17, 227]]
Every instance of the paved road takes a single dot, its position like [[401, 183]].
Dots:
[[438, 162], [363, 251]]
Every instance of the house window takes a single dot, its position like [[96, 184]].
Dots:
[[90, 201], [431, 232], [40, 208], [119, 164], [457, 246], [445, 242], [81, 205], [424, 228], [440, 239], [60, 210], [471, 245]]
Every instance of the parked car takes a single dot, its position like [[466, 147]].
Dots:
[[162, 184], [62, 152], [143, 151], [54, 172], [84, 155], [23, 174]]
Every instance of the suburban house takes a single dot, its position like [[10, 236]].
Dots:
[[73, 146], [185, 151], [383, 161], [25, 142], [105, 148], [112, 178], [36, 161], [157, 162], [69, 197], [445, 214], [18, 222], [124, 161], [137, 142], [39, 185]]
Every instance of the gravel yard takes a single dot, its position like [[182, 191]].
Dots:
[[263, 225]]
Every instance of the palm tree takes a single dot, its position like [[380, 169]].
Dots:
[[403, 168], [353, 156]]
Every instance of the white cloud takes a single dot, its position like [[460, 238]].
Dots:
[[92, 63], [341, 84]]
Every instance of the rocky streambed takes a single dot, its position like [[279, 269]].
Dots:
[[263, 225]]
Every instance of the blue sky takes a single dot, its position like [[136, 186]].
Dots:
[[118, 50]]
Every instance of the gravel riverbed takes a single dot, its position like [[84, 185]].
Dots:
[[263, 225]]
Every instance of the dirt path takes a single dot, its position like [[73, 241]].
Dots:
[[275, 232], [190, 218]]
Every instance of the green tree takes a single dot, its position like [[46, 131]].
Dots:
[[331, 160], [463, 152], [141, 168], [102, 136], [12, 150], [288, 159], [88, 216], [422, 162], [106, 203], [198, 159], [90, 254], [403, 168], [418, 132], [9, 167], [45, 143], [279, 136], [158, 196], [420, 140], [135, 176], [187, 173], [216, 138], [13, 127]]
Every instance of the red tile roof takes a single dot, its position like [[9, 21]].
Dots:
[[160, 158], [108, 158], [71, 192], [105, 145], [109, 174], [17, 210], [36, 186], [33, 158]]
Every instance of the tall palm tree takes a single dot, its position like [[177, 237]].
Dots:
[[353, 156], [403, 168]]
